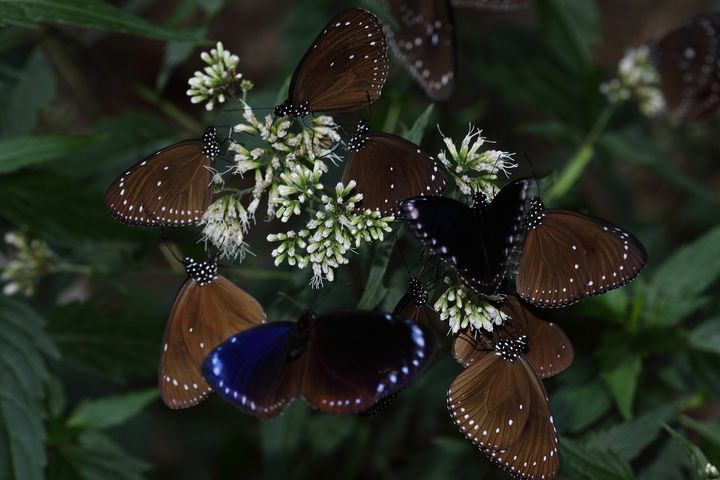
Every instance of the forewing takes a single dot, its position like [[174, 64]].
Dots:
[[251, 369], [346, 66], [169, 188], [389, 169], [424, 43], [357, 358], [424, 314], [201, 318], [571, 256]]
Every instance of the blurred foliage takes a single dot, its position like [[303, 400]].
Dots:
[[88, 87]]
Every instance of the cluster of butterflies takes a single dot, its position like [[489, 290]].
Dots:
[[217, 338]]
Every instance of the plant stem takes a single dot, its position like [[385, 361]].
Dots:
[[580, 160]]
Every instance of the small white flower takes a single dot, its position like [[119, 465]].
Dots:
[[638, 78], [463, 310], [225, 223], [218, 79], [31, 259]]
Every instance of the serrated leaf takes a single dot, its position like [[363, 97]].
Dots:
[[706, 336], [592, 464], [696, 455], [622, 381], [417, 131], [110, 411], [628, 439], [676, 288], [23, 382], [84, 13], [21, 152]]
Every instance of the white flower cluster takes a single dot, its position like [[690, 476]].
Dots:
[[637, 77], [218, 79], [474, 170], [330, 234], [226, 222], [461, 309], [33, 258]]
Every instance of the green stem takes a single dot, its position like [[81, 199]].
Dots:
[[580, 160]]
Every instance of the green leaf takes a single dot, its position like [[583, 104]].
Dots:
[[21, 152], [698, 457], [678, 284], [577, 406], [94, 456], [23, 384], [34, 90], [110, 411], [375, 289], [570, 29], [670, 463], [710, 431], [593, 464], [84, 13], [417, 131], [629, 439], [706, 336], [622, 381]]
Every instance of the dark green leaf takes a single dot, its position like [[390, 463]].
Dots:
[[417, 131], [592, 464], [622, 381], [84, 13], [110, 411], [23, 383], [20, 152], [577, 406], [710, 431], [375, 289], [706, 336], [698, 457], [670, 463], [570, 28], [678, 284]]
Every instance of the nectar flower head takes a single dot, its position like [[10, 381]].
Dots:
[[636, 77], [225, 223], [33, 258], [461, 309], [473, 167], [218, 79]]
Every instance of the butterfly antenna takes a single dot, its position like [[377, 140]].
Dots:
[[292, 300], [367, 95], [169, 247], [532, 169]]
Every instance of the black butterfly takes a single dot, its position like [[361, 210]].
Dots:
[[340, 362], [493, 5], [344, 69], [208, 310], [414, 305], [424, 43], [499, 402], [388, 169], [687, 60], [170, 188], [561, 256]]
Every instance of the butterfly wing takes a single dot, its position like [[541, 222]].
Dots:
[[357, 358], [424, 43], [388, 169], [251, 370], [169, 188], [549, 350], [569, 256], [424, 315], [493, 5], [201, 318], [687, 63], [346, 66]]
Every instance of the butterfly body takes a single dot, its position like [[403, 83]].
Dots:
[[208, 309], [340, 362], [343, 70], [169, 188], [414, 305]]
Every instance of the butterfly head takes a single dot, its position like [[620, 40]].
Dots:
[[536, 213], [510, 349], [480, 202], [360, 137], [202, 272], [287, 108], [210, 148], [418, 292]]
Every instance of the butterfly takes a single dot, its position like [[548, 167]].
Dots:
[[344, 69], [493, 5], [208, 309], [499, 402], [414, 305], [424, 43], [561, 256], [687, 60], [170, 188], [388, 169], [340, 362]]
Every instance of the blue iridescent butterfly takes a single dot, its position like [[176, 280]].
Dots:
[[341, 362]]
